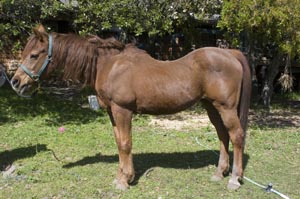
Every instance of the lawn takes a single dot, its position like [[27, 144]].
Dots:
[[81, 162]]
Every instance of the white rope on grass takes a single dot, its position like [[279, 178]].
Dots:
[[268, 188]]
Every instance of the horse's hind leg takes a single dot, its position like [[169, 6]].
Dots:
[[215, 118], [121, 121], [232, 123]]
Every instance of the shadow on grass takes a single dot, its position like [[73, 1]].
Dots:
[[283, 113], [60, 111], [9, 157], [281, 118], [143, 162]]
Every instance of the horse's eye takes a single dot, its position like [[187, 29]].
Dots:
[[34, 56]]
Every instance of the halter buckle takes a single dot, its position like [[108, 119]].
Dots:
[[35, 78]]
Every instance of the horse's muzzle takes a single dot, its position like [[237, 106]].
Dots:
[[24, 90]]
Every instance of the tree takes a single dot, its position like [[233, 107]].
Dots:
[[153, 21], [270, 26], [17, 18], [137, 17], [15, 21]]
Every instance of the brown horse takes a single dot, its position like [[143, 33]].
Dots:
[[127, 81]]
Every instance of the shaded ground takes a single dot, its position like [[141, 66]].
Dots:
[[274, 118]]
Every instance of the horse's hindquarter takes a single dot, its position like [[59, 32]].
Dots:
[[223, 76]]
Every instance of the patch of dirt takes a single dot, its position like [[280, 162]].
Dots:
[[277, 118], [180, 121]]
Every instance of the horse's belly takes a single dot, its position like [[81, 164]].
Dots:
[[165, 104]]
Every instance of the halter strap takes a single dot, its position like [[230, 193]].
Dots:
[[48, 59]]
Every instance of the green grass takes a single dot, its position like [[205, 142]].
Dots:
[[82, 161]]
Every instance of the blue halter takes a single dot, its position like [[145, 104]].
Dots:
[[36, 76]]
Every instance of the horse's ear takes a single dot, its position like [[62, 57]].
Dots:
[[39, 32], [41, 28]]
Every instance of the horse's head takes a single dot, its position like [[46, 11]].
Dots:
[[35, 59]]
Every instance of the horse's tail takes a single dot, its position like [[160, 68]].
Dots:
[[245, 95]]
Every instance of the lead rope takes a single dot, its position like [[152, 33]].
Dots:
[[268, 188]]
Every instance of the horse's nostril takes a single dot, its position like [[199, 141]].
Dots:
[[23, 88], [15, 83]]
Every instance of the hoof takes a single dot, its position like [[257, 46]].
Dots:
[[233, 184], [216, 178], [120, 185]]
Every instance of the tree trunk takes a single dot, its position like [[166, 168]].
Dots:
[[272, 72], [252, 59]]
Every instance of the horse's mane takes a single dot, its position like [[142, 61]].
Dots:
[[105, 43], [76, 56], [79, 55]]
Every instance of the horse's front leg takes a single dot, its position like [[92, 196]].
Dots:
[[121, 121]]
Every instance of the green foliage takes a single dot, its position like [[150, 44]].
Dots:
[[266, 22], [53, 9], [152, 17], [16, 18], [19, 16], [137, 17]]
